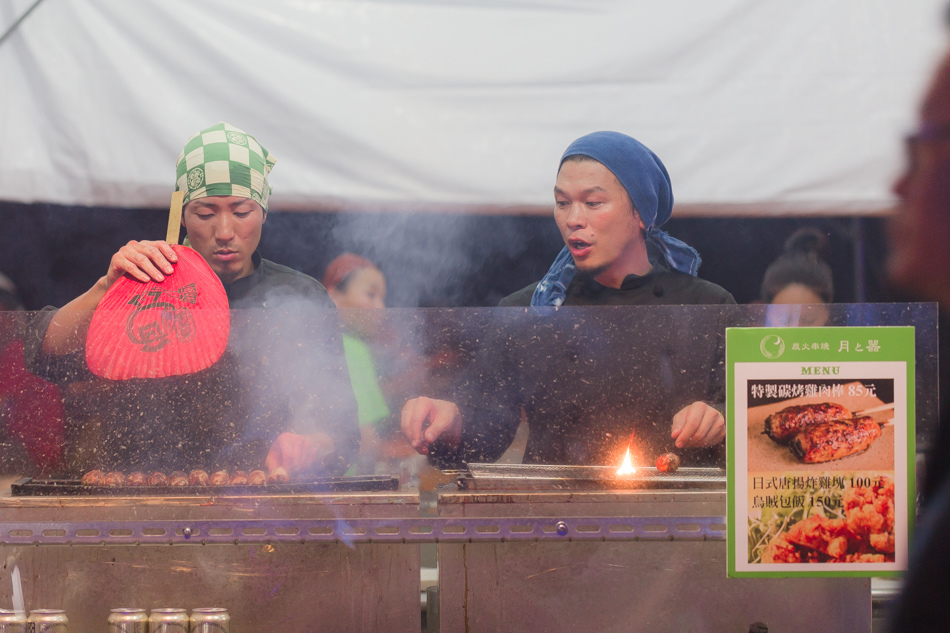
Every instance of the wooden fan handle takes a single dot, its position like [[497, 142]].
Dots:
[[174, 218]]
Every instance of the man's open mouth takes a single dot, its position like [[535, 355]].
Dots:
[[578, 247]]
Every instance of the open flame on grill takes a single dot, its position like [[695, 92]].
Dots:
[[626, 468]]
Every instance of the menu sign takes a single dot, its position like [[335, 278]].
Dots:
[[821, 450]]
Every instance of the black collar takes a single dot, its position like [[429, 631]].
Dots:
[[240, 287], [630, 282]]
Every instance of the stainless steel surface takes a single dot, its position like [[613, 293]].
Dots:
[[356, 518], [556, 477], [649, 585], [652, 586], [432, 610], [420, 530], [280, 581], [284, 587], [562, 504]]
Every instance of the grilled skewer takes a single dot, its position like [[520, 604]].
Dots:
[[94, 478], [198, 477]]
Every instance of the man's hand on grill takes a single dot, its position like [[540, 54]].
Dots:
[[697, 426], [296, 453], [424, 420]]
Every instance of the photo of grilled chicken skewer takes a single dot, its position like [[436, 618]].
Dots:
[[782, 425], [825, 431], [828, 441]]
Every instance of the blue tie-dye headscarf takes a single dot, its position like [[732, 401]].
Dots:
[[644, 177]]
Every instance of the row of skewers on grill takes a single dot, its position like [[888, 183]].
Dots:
[[823, 432], [179, 478]]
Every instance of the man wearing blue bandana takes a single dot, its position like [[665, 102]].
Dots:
[[611, 196]]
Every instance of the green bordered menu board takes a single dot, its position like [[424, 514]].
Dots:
[[821, 450]]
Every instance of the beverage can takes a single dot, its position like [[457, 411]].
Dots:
[[12, 621], [168, 620], [210, 620], [47, 621], [127, 620]]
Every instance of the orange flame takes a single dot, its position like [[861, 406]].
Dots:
[[626, 468]]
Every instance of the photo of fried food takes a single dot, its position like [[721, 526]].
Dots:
[[864, 534]]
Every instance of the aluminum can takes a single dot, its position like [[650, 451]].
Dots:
[[126, 620], [47, 621], [12, 621], [168, 621], [210, 620]]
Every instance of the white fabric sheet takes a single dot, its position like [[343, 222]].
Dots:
[[759, 107]]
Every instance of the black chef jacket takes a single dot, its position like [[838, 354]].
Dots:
[[590, 378], [283, 370]]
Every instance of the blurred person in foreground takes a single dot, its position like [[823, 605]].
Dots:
[[610, 197], [31, 409], [919, 262], [800, 278], [265, 391]]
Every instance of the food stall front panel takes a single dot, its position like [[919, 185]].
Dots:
[[540, 547]]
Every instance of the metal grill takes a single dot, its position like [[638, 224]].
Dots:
[[557, 477], [28, 487]]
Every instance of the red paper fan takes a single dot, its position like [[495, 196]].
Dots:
[[153, 330]]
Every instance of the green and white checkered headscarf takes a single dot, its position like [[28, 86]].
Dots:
[[224, 161]]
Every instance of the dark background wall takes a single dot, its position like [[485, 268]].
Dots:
[[54, 253]]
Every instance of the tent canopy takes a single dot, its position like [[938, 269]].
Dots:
[[755, 107]]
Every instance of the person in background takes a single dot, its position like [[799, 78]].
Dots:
[[31, 409], [611, 195], [384, 364], [919, 263], [356, 285], [262, 393], [800, 276]]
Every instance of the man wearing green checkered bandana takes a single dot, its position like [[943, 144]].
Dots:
[[224, 161], [223, 174]]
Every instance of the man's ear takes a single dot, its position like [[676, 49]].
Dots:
[[640, 223]]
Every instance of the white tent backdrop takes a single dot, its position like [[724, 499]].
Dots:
[[756, 107]]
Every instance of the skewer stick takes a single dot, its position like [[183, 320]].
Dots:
[[174, 218], [883, 407], [882, 414]]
